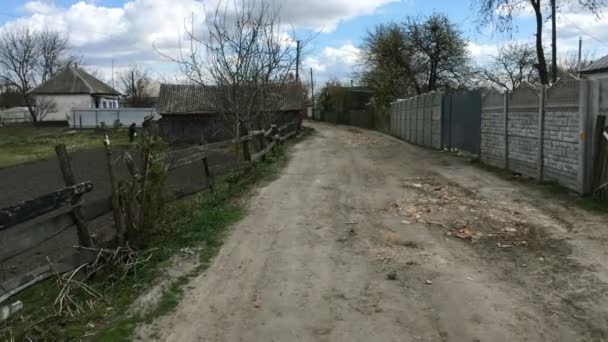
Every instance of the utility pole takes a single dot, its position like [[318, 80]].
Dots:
[[580, 51], [312, 91], [297, 60], [113, 87], [553, 42]]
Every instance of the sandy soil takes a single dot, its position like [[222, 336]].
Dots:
[[367, 238]]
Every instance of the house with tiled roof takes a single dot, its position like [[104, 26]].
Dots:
[[74, 88]]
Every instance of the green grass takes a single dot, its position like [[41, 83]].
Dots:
[[21, 144], [201, 221]]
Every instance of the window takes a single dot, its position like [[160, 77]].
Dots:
[[105, 104]]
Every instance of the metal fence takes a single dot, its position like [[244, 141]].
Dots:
[[461, 121], [94, 117], [442, 121], [14, 116]]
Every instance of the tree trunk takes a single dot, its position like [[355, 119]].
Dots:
[[540, 52], [30, 108]]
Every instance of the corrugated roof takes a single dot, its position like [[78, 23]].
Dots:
[[74, 81], [197, 99], [597, 66]]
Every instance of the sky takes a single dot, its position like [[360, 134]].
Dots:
[[125, 32]]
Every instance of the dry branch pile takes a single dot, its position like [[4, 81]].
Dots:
[[467, 216]]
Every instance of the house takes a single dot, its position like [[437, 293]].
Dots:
[[190, 113], [74, 88], [596, 70]]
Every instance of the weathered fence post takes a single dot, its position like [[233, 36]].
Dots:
[[506, 128], [540, 134], [245, 136], [208, 176], [116, 212], [84, 237]]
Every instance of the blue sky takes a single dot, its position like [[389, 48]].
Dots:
[[124, 31]]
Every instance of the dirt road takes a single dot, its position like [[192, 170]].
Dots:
[[366, 238]]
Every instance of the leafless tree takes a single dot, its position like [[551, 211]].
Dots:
[[245, 59], [569, 63], [29, 57], [43, 106], [19, 59], [513, 66], [53, 56], [135, 83], [500, 14]]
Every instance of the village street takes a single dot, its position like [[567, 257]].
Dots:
[[366, 238]]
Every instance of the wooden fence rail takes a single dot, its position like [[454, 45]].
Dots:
[[27, 210], [20, 236]]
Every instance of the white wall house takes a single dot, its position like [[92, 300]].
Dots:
[[597, 70], [74, 88]]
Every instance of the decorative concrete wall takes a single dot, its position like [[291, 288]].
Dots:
[[561, 133], [557, 133], [523, 130], [417, 119], [493, 129]]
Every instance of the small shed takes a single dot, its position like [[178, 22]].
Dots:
[[190, 112]]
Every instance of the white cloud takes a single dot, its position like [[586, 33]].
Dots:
[[480, 51], [334, 63], [571, 26], [128, 32]]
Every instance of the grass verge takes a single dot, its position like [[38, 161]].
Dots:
[[22, 144], [200, 222]]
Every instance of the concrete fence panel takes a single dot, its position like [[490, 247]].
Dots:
[[561, 133], [493, 128], [523, 130], [436, 111]]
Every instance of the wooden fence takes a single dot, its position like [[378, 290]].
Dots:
[[600, 163], [26, 225]]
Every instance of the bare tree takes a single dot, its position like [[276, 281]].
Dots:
[[43, 106], [513, 66], [53, 55], [569, 63], [500, 14], [19, 59], [244, 59], [135, 83], [28, 58]]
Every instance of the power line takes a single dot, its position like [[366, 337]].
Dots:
[[585, 32]]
